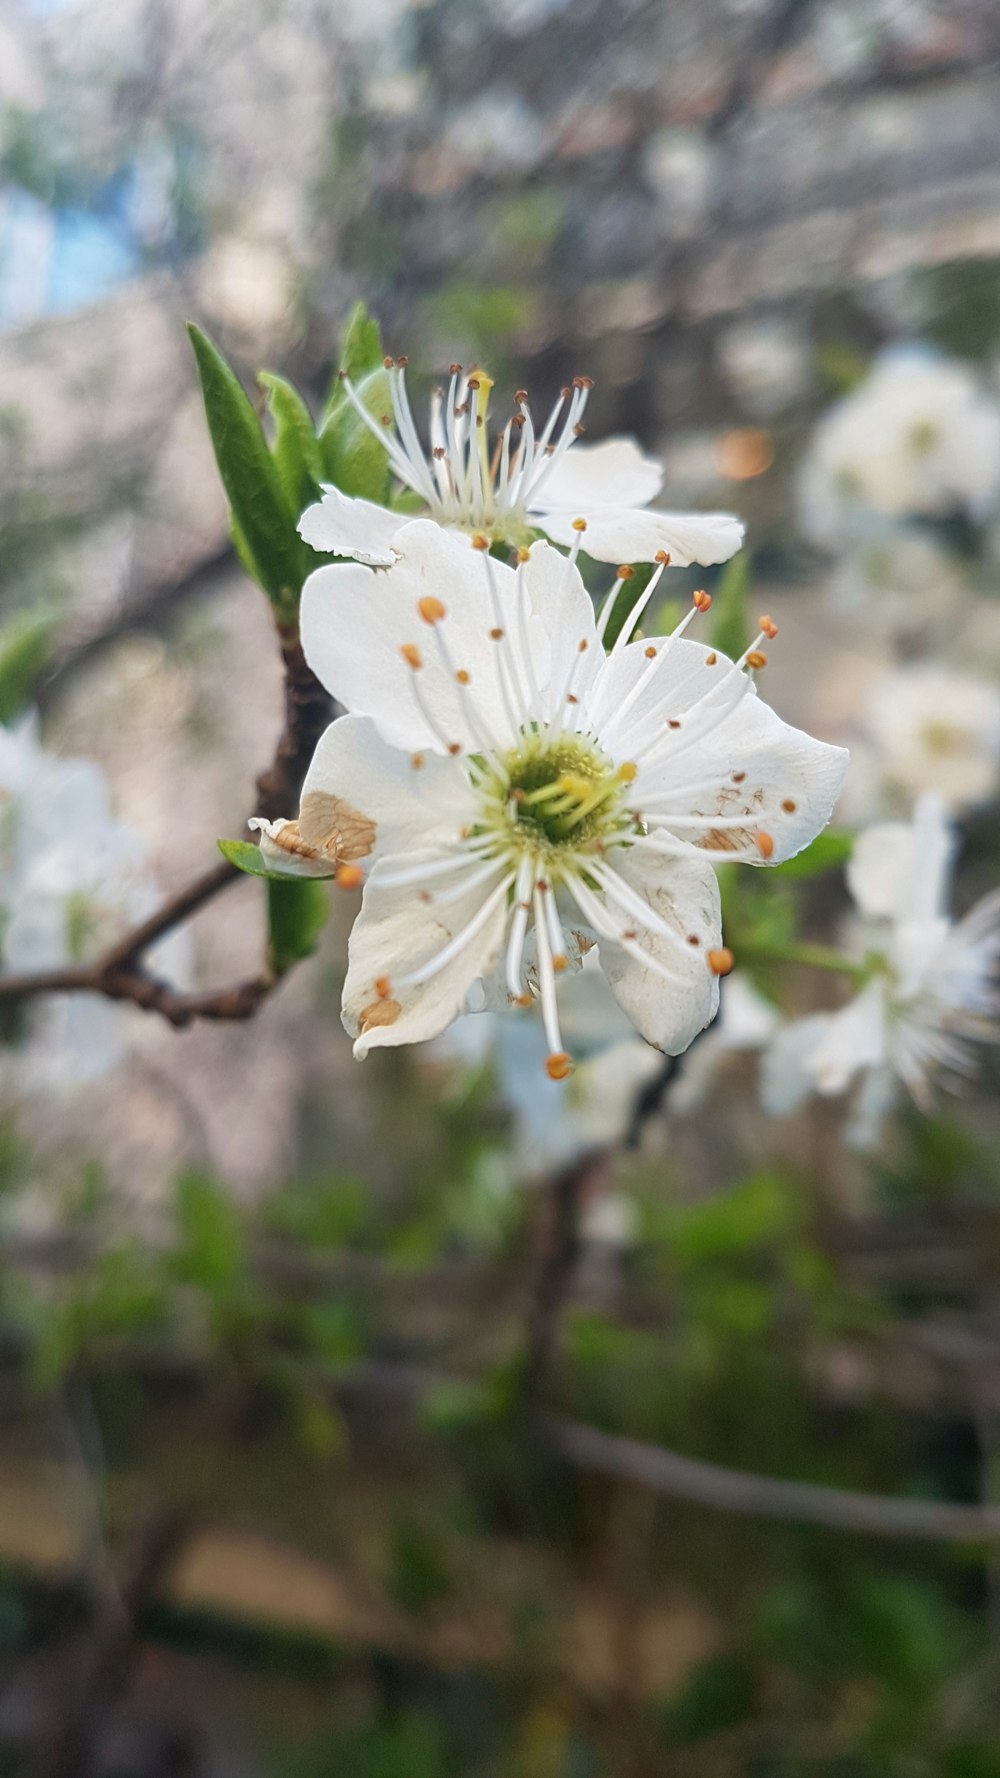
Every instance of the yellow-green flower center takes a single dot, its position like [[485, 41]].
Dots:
[[554, 795]]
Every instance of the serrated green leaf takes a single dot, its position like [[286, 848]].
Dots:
[[727, 627], [296, 453], [297, 908], [250, 477], [360, 353], [828, 851], [24, 653], [354, 459], [247, 857]]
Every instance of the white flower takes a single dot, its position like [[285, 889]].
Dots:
[[902, 583], [745, 1023], [937, 730], [555, 1123], [591, 497], [918, 436], [72, 878], [511, 782], [932, 993]]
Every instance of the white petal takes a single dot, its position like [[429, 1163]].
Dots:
[[397, 933], [423, 806], [563, 607], [854, 1039], [355, 622], [612, 473], [341, 526], [902, 870], [786, 1080], [684, 893], [622, 534], [731, 756], [283, 849]]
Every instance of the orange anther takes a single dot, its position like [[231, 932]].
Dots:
[[579, 525], [383, 987], [650, 653], [496, 635], [701, 600], [663, 557], [416, 760], [430, 609], [524, 554], [625, 572], [764, 844], [768, 626], [789, 806], [720, 962], [558, 1065], [756, 658], [348, 876], [411, 655], [560, 962], [462, 676], [479, 541]]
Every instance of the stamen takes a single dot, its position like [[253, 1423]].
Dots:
[[348, 876], [546, 975], [456, 945], [720, 962], [519, 926]]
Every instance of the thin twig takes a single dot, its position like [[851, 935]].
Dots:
[[555, 1276]]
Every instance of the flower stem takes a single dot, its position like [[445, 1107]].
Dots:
[[810, 956]]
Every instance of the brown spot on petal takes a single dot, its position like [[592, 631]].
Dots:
[[333, 829], [720, 839], [378, 1012]]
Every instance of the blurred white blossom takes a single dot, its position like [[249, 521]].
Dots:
[[746, 1021], [72, 879], [919, 437], [931, 994], [937, 730]]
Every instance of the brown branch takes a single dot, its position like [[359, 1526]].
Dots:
[[767, 1497], [561, 1250], [119, 974]]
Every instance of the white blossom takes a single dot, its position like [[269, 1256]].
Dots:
[[586, 496], [934, 729], [746, 1023], [72, 878], [521, 796], [920, 436], [931, 995]]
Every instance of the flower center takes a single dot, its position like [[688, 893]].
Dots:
[[554, 795]]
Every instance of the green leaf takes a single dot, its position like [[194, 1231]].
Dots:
[[828, 851], [727, 628], [354, 459], [247, 857], [296, 910], [250, 477], [211, 1250], [360, 353], [296, 453], [24, 654]]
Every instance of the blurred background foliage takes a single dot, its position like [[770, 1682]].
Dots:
[[284, 1345]]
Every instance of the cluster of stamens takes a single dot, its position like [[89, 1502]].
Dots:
[[553, 800], [464, 480]]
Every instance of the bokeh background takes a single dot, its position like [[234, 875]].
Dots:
[[274, 1502]]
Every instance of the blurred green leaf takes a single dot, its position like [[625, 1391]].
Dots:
[[211, 1244], [828, 851], [354, 459], [841, 365], [296, 911], [758, 1210], [250, 477], [296, 452], [24, 653], [727, 626], [419, 1576], [360, 353], [721, 1693], [247, 857]]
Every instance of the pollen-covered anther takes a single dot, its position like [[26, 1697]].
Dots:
[[628, 771], [431, 609], [764, 844], [579, 525], [720, 962], [756, 658], [558, 1065], [480, 541], [411, 655], [625, 572], [701, 600], [768, 627], [348, 876]]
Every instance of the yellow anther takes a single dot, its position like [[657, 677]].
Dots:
[[579, 525], [524, 554], [560, 962], [756, 658], [462, 676], [479, 541], [430, 609], [720, 962], [628, 771], [411, 655]]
